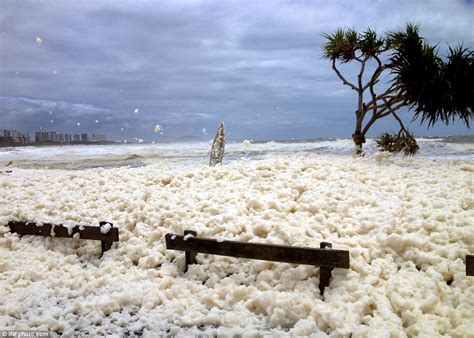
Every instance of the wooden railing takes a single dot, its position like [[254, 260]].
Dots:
[[58, 230], [324, 257]]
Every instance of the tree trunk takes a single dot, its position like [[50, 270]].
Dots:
[[358, 137]]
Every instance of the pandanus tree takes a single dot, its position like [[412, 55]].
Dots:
[[414, 76]]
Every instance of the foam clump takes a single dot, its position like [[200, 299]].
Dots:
[[408, 225], [105, 228], [247, 144]]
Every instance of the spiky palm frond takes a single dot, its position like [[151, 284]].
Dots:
[[434, 90], [342, 45], [396, 39], [370, 44], [458, 72], [332, 48], [345, 43], [395, 143]]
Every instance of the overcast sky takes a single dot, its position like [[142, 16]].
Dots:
[[187, 65]]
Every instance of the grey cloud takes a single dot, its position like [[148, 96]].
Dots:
[[190, 65]]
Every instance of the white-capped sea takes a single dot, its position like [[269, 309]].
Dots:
[[195, 154]]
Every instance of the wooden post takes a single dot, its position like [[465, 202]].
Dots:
[[469, 265], [324, 272], [104, 243], [190, 256]]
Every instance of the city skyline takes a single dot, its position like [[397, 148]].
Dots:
[[18, 137]]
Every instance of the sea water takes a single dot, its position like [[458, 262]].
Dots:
[[195, 154]]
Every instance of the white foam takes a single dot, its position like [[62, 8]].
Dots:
[[247, 144], [105, 228], [188, 236], [407, 224]]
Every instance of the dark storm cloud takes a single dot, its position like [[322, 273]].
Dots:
[[188, 65]]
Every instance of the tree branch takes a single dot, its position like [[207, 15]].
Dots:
[[385, 95], [384, 112], [388, 111], [390, 94], [393, 99], [369, 124], [375, 76], [344, 81], [361, 109], [372, 92], [401, 124], [359, 77]]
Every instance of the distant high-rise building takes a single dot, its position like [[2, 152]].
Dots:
[[13, 137], [52, 136], [41, 136], [45, 136], [98, 138]]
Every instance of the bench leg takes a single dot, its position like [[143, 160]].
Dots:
[[190, 256], [469, 265], [324, 276], [324, 272], [105, 245]]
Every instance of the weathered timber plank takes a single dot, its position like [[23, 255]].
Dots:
[[470, 265], [88, 232], [269, 252]]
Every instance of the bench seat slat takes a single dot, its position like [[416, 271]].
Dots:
[[88, 232], [268, 252]]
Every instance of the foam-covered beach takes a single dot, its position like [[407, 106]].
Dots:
[[408, 224]]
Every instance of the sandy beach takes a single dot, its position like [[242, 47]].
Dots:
[[408, 224]]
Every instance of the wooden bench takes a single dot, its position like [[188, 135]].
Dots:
[[324, 257], [469, 265], [59, 230]]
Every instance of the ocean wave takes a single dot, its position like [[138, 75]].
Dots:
[[85, 156]]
